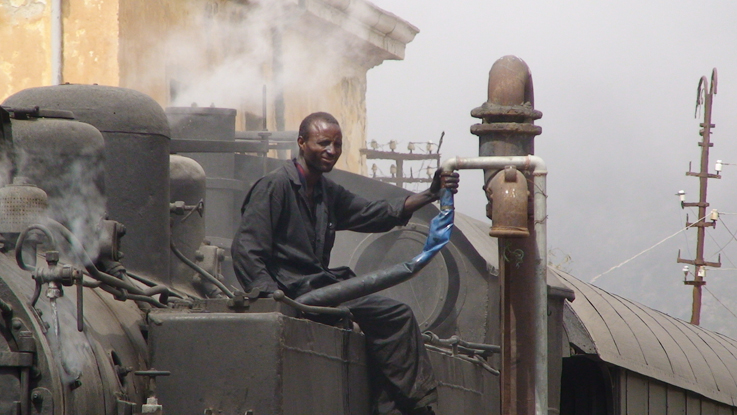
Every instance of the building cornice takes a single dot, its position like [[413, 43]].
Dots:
[[382, 31]]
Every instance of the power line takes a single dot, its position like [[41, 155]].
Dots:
[[721, 248], [593, 280], [715, 297]]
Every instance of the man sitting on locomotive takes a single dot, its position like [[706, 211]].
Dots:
[[287, 230]]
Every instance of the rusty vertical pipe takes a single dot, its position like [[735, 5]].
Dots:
[[508, 129]]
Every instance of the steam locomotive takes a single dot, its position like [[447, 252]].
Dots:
[[117, 295], [116, 291]]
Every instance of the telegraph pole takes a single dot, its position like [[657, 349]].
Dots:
[[705, 94]]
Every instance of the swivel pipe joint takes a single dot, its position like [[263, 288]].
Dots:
[[508, 195]]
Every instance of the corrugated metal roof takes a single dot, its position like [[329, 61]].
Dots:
[[654, 344]]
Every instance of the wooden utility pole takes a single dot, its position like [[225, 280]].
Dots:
[[705, 94]]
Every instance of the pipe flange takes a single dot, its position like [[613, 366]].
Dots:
[[506, 112], [506, 127]]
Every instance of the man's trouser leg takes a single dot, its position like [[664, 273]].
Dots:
[[394, 344]]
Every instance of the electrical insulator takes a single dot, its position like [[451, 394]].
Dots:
[[714, 215], [430, 171], [411, 147], [374, 145], [718, 166], [429, 147], [393, 145], [682, 195], [393, 170], [373, 169]]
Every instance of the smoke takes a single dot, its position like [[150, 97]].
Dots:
[[74, 186], [238, 49], [69, 347]]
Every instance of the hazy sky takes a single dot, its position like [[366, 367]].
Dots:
[[616, 82]]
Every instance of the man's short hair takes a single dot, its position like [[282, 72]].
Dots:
[[304, 126]]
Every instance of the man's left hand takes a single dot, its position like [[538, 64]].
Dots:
[[444, 180]]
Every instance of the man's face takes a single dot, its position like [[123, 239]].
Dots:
[[322, 148]]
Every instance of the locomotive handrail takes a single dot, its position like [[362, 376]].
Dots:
[[459, 345]]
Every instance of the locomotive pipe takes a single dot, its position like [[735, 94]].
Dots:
[[22, 239], [95, 273], [57, 43], [88, 264], [205, 274], [539, 171], [462, 345], [150, 283]]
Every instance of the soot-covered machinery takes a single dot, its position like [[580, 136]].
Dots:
[[115, 293]]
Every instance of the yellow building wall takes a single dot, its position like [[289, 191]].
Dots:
[[91, 42], [318, 80], [25, 55]]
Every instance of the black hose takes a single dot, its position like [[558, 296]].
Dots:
[[357, 287], [22, 239], [201, 271], [333, 311]]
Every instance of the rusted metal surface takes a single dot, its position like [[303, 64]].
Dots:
[[508, 190], [640, 339], [507, 130]]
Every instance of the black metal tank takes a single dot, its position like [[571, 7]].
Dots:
[[136, 134], [187, 180], [223, 193]]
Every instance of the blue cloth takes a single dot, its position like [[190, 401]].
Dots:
[[441, 228]]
